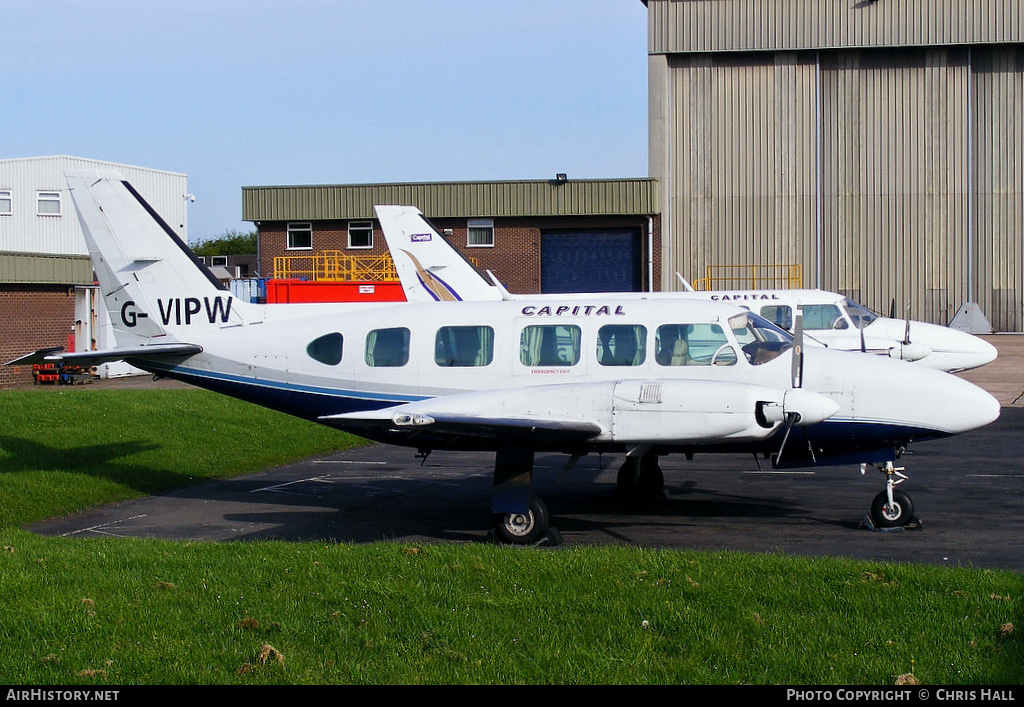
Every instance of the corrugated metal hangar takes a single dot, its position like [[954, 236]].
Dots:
[[877, 143]]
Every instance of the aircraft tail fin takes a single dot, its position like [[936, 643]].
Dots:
[[428, 266], [151, 282]]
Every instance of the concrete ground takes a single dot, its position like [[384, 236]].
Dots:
[[1004, 377]]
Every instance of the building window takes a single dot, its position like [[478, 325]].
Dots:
[[480, 233], [360, 234], [48, 203], [6, 202], [300, 236]]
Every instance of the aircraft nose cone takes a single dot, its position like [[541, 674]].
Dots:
[[930, 402], [979, 352], [951, 349], [951, 404], [973, 406]]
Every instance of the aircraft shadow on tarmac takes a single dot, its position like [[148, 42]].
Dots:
[[966, 489]]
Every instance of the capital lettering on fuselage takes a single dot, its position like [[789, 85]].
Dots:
[[574, 310], [182, 310], [745, 296]]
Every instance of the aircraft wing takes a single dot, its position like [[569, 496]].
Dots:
[[119, 353], [451, 427], [627, 412]]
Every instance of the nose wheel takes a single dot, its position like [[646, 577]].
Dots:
[[891, 508]]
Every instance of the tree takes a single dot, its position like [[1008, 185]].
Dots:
[[231, 242]]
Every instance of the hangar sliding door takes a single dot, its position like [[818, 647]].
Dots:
[[591, 261]]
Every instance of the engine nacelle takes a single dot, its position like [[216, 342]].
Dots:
[[691, 411]]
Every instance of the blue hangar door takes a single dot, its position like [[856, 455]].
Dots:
[[591, 261]]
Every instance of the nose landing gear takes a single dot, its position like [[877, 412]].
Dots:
[[890, 508]]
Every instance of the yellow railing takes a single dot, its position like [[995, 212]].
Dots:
[[732, 277], [336, 266]]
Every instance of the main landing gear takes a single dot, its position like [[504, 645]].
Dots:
[[640, 477], [520, 517], [891, 508], [529, 528]]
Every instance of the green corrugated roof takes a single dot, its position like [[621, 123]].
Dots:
[[44, 269], [589, 197]]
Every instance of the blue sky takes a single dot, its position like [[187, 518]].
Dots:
[[240, 93]]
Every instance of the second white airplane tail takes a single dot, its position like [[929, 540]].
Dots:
[[428, 266]]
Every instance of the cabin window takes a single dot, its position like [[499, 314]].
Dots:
[[622, 345], [693, 345], [462, 346], [779, 314], [6, 202], [860, 314], [387, 347], [326, 349], [550, 345], [300, 236], [760, 340], [823, 316], [360, 234]]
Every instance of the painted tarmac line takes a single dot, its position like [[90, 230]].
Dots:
[[100, 529]]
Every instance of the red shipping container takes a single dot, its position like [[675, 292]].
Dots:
[[296, 291]]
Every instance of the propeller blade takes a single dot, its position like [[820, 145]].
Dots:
[[798, 348], [791, 419], [906, 333]]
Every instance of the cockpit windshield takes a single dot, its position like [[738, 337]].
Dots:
[[860, 314], [760, 340]]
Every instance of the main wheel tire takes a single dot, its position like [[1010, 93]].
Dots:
[[651, 481], [628, 476], [898, 513], [641, 479], [523, 528]]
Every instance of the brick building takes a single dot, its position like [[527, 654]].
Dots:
[[536, 236], [47, 296]]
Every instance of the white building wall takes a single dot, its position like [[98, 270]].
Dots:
[[24, 230]]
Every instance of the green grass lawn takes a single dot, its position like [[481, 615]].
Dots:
[[130, 611]]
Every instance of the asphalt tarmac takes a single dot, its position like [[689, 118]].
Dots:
[[967, 493]]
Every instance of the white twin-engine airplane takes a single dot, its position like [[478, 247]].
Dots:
[[432, 270], [559, 374]]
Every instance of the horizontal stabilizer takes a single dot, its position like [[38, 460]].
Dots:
[[94, 358]]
